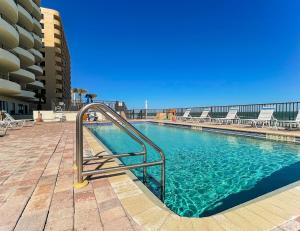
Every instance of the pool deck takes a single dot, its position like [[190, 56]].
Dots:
[[234, 127], [36, 192]]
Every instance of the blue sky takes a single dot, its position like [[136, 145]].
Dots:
[[184, 53]]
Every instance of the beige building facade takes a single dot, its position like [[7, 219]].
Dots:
[[20, 56], [56, 65]]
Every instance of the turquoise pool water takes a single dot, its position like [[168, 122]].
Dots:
[[208, 172]]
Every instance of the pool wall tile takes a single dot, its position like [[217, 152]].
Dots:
[[290, 139]]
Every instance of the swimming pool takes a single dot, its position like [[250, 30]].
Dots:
[[208, 172]]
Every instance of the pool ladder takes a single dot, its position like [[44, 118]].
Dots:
[[129, 129]]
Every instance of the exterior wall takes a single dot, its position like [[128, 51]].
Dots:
[[49, 116], [14, 106], [57, 76], [20, 43]]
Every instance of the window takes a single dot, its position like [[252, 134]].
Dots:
[[3, 105], [13, 109], [21, 109]]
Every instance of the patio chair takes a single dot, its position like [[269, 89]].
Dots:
[[185, 116], [265, 118], [291, 124], [13, 123], [230, 117], [59, 114], [204, 117], [3, 128]]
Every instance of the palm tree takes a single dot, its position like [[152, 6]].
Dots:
[[93, 96], [80, 93], [90, 97]]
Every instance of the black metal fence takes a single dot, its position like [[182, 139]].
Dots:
[[283, 111]]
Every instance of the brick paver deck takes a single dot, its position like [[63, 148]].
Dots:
[[36, 193], [36, 185]]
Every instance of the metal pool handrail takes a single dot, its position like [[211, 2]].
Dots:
[[135, 134]]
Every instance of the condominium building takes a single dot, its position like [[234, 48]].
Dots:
[[57, 76], [20, 56]]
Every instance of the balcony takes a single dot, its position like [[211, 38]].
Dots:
[[58, 59], [27, 95], [58, 50], [26, 58], [37, 41], [9, 88], [27, 4], [10, 10], [58, 41], [58, 68], [59, 86], [37, 70], [22, 76], [57, 23], [8, 61], [37, 28], [25, 19], [58, 95], [36, 11], [25, 37], [38, 55], [56, 31], [35, 100], [36, 85], [59, 77], [9, 36]]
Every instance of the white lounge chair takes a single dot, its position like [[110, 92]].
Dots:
[[186, 115], [59, 114], [291, 124], [230, 117], [204, 117], [265, 118], [3, 128], [13, 123]]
